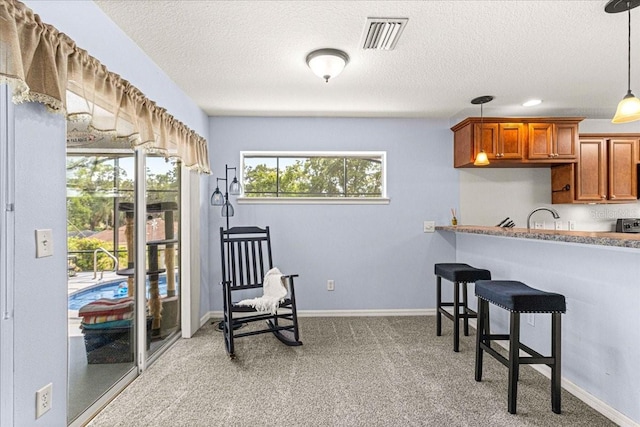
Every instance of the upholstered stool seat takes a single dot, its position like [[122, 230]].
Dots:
[[519, 298], [460, 274]]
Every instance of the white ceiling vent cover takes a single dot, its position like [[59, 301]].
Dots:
[[383, 33]]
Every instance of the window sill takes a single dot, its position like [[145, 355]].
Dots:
[[312, 201]]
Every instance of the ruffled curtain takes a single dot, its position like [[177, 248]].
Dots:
[[41, 64]]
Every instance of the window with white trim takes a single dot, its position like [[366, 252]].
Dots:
[[314, 176]]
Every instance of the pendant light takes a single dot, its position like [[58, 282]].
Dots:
[[629, 108], [481, 157]]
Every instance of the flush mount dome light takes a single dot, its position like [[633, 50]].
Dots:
[[327, 63]]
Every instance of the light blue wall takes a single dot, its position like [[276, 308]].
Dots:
[[378, 255], [39, 285]]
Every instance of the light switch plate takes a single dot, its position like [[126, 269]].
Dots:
[[44, 243]]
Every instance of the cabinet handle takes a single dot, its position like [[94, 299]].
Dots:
[[604, 196], [613, 197]]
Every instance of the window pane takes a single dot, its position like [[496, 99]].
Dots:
[[364, 177], [293, 175], [260, 176]]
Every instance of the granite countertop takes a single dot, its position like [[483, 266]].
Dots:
[[625, 240]]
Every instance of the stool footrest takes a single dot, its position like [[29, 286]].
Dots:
[[500, 358]]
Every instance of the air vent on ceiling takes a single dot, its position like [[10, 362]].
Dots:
[[383, 33]]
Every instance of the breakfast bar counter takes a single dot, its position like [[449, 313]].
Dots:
[[599, 274], [625, 240]]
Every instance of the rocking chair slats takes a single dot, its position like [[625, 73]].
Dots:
[[246, 258]]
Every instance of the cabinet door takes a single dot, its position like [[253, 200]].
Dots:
[[591, 178], [622, 170], [486, 138], [510, 140], [552, 141], [540, 141], [564, 138]]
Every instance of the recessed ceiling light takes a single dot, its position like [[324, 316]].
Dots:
[[532, 102]]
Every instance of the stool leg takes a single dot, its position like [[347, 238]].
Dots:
[[456, 315], [438, 305], [514, 360], [480, 337], [556, 387], [465, 309]]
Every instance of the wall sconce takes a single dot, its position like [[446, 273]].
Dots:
[[481, 157], [629, 108], [219, 199], [327, 63]]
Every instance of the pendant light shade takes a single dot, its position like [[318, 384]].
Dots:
[[481, 157], [227, 210], [629, 108], [235, 188], [327, 63], [217, 198]]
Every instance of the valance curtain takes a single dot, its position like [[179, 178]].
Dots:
[[41, 64]]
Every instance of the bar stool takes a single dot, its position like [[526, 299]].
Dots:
[[460, 275], [519, 298]]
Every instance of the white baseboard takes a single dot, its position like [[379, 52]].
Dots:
[[595, 403]]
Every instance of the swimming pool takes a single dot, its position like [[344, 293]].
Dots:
[[111, 289]]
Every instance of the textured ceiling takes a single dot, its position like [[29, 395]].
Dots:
[[248, 57]]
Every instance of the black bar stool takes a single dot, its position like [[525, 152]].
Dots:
[[459, 274], [519, 298]]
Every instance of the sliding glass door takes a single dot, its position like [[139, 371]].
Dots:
[[106, 299], [101, 282]]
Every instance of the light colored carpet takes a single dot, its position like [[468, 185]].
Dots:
[[351, 371]]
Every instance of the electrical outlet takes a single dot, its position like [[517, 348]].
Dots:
[[331, 285], [572, 225], [539, 225], [44, 400], [531, 319], [558, 225], [429, 226]]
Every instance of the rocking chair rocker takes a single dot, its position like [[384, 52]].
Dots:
[[246, 258]]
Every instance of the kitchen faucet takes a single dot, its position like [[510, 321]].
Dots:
[[553, 212]]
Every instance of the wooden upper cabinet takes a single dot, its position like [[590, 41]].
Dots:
[[499, 140], [485, 137], [516, 141], [607, 169], [591, 179], [552, 141], [623, 181], [511, 140]]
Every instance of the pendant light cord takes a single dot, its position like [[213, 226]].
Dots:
[[629, 49]]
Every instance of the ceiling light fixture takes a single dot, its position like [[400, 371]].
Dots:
[[629, 108], [327, 63], [481, 157], [532, 103]]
